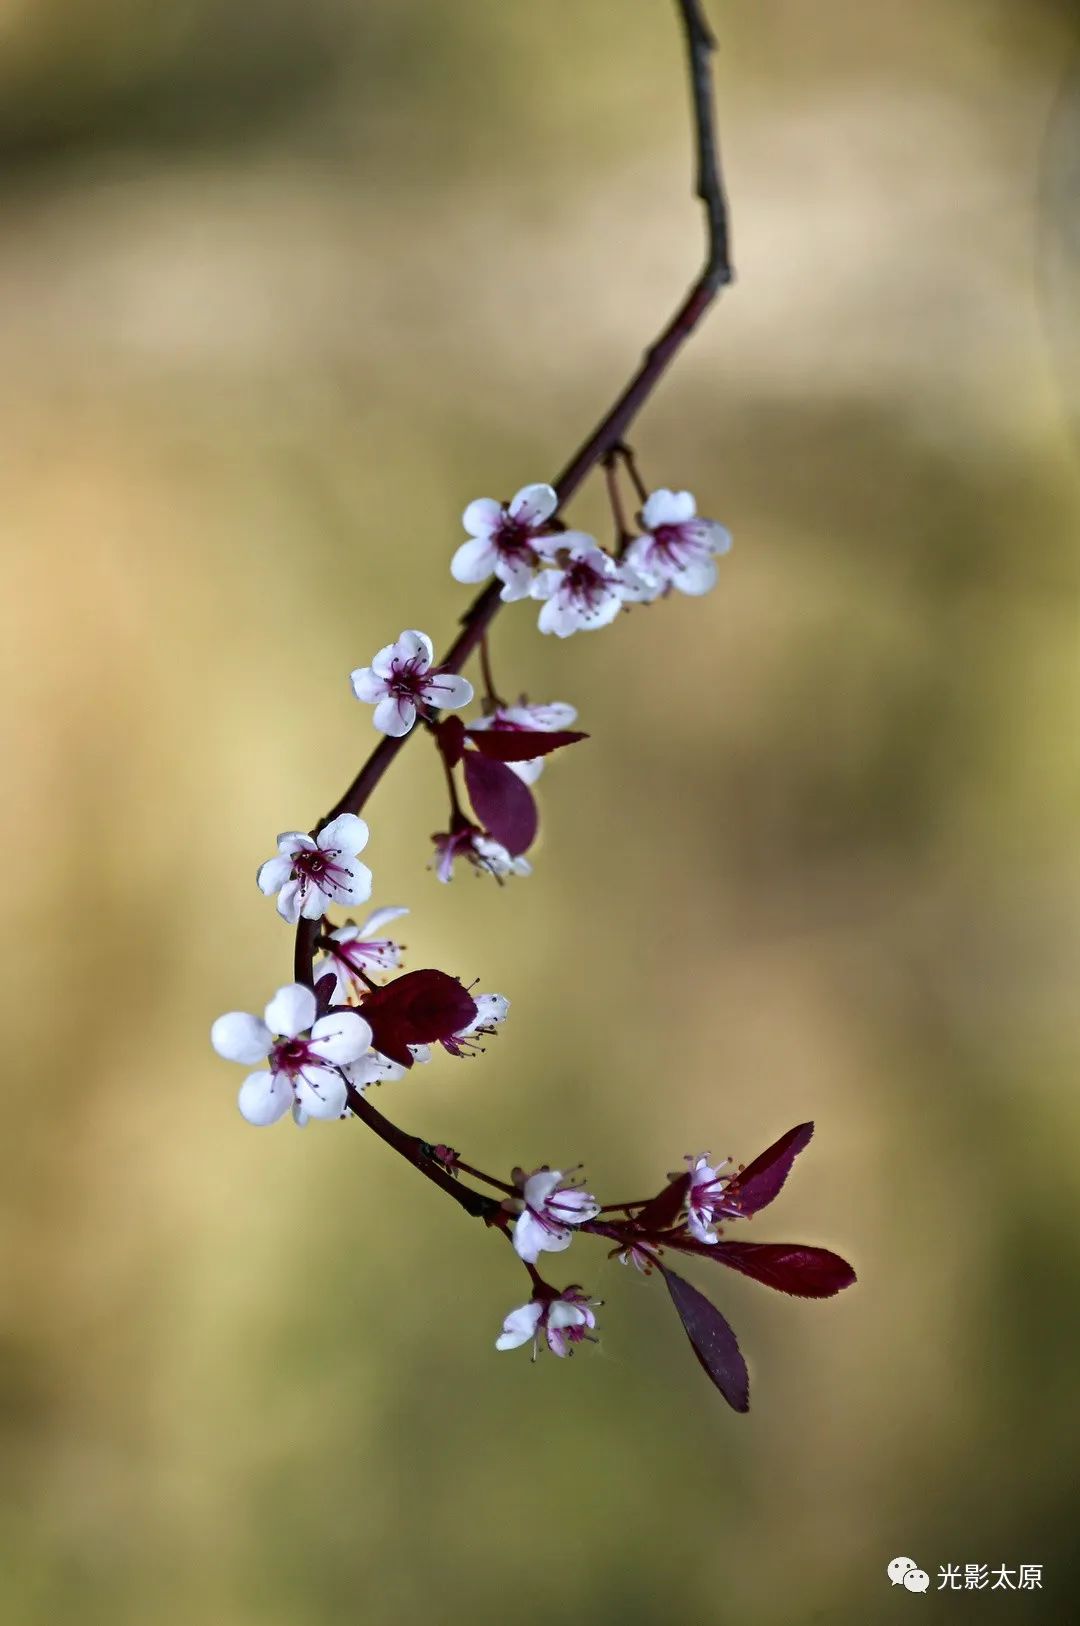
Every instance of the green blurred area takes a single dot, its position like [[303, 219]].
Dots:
[[281, 288]]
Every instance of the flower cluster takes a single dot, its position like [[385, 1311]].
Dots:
[[680, 1218], [580, 586], [355, 1018]]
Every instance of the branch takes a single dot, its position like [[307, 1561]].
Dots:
[[605, 438]]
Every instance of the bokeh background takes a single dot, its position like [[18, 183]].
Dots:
[[282, 286]]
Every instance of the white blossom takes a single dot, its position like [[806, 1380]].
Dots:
[[359, 952], [305, 1056], [585, 593], [677, 548], [399, 683], [502, 540], [483, 852], [312, 873], [549, 1207], [562, 1321], [705, 1197]]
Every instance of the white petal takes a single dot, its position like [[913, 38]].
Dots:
[[351, 887], [382, 662], [314, 902], [516, 577], [273, 874], [604, 613], [519, 1326], [545, 583], [291, 1011], [294, 841], [548, 719], [559, 618], [340, 1037], [299, 1117], [367, 685], [288, 904], [241, 1037], [534, 504], [696, 578], [416, 646], [539, 1186], [448, 691], [420, 1053], [531, 1239], [394, 716], [374, 923], [373, 1068], [482, 516], [528, 772], [264, 1097], [474, 560], [563, 1314], [717, 537], [321, 1092], [667, 508], [346, 833], [587, 549], [491, 1009]]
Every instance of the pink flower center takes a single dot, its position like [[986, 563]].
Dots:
[[291, 1056], [513, 539], [406, 679], [584, 583], [318, 866], [676, 546]]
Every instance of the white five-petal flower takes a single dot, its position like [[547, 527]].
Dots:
[[549, 1207], [585, 593], [705, 1197], [549, 719], [305, 1056], [677, 547], [312, 873], [399, 683], [503, 540], [562, 1321], [359, 952]]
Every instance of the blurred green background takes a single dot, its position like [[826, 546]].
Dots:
[[282, 286]]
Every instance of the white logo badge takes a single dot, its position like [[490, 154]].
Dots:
[[905, 1572]]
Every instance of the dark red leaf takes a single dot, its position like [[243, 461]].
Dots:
[[503, 803], [450, 735], [711, 1339], [521, 744], [419, 1008], [808, 1273], [763, 1179], [325, 989], [665, 1207]]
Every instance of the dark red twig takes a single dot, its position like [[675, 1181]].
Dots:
[[606, 437]]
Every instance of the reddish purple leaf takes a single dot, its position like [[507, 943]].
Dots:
[[450, 735], [763, 1179], [711, 1339], [503, 803], [325, 989], [665, 1207], [807, 1273], [419, 1008], [522, 744]]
